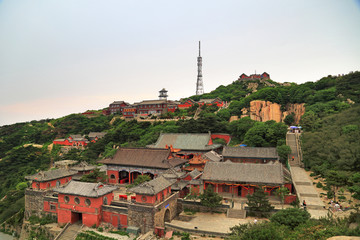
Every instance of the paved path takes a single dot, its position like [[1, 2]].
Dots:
[[71, 232], [305, 189], [208, 222]]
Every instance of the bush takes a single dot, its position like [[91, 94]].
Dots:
[[291, 217], [319, 185]]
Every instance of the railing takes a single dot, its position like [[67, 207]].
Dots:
[[62, 231]]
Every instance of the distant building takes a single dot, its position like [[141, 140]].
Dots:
[[117, 107], [75, 141], [213, 101], [94, 136], [264, 76]]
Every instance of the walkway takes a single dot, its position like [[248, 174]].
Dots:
[[305, 189], [70, 232], [213, 223]]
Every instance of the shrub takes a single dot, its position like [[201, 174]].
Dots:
[[291, 217], [319, 185]]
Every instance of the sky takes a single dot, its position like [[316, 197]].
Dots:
[[59, 57]]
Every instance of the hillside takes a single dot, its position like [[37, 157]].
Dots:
[[322, 99]]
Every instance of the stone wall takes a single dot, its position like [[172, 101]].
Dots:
[[147, 217], [196, 206], [34, 202]]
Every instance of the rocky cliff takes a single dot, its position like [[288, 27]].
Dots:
[[264, 111]]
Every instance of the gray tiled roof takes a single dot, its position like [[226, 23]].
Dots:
[[152, 102], [270, 173], [212, 156], [51, 175], [250, 152], [144, 157], [173, 174], [85, 189], [153, 187], [194, 173], [185, 141], [96, 134], [83, 166]]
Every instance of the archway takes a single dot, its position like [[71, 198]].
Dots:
[[167, 217], [150, 175], [123, 176]]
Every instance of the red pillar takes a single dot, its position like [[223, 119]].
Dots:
[[129, 177]]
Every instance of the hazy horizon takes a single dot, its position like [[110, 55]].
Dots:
[[63, 57]]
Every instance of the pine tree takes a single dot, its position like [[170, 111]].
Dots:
[[259, 204], [210, 198]]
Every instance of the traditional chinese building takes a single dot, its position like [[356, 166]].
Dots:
[[199, 160], [155, 204], [49, 179], [250, 154], [264, 76], [117, 107], [209, 102], [75, 141], [94, 136], [189, 144], [128, 163], [240, 179], [82, 201]]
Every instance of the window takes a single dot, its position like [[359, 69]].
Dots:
[[105, 200], [143, 198], [112, 176], [67, 199], [226, 188], [77, 200], [52, 207], [87, 202], [57, 183]]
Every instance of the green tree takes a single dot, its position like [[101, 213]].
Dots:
[[335, 179], [283, 151], [289, 119], [291, 217], [259, 204], [282, 192], [355, 188], [210, 198], [94, 176]]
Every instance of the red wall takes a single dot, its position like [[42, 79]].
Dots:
[[116, 174], [67, 212], [115, 219], [152, 199], [47, 206], [226, 137]]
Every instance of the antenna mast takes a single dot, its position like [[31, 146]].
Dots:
[[199, 82]]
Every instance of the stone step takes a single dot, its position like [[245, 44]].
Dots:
[[308, 195], [236, 213], [304, 183]]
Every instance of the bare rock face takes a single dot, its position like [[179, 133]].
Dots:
[[264, 111]]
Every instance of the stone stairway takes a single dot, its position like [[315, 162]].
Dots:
[[236, 213], [304, 187], [70, 232]]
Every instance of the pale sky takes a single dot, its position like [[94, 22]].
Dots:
[[59, 57]]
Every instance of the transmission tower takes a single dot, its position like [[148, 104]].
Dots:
[[199, 82]]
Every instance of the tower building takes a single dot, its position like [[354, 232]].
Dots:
[[199, 82], [163, 94]]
